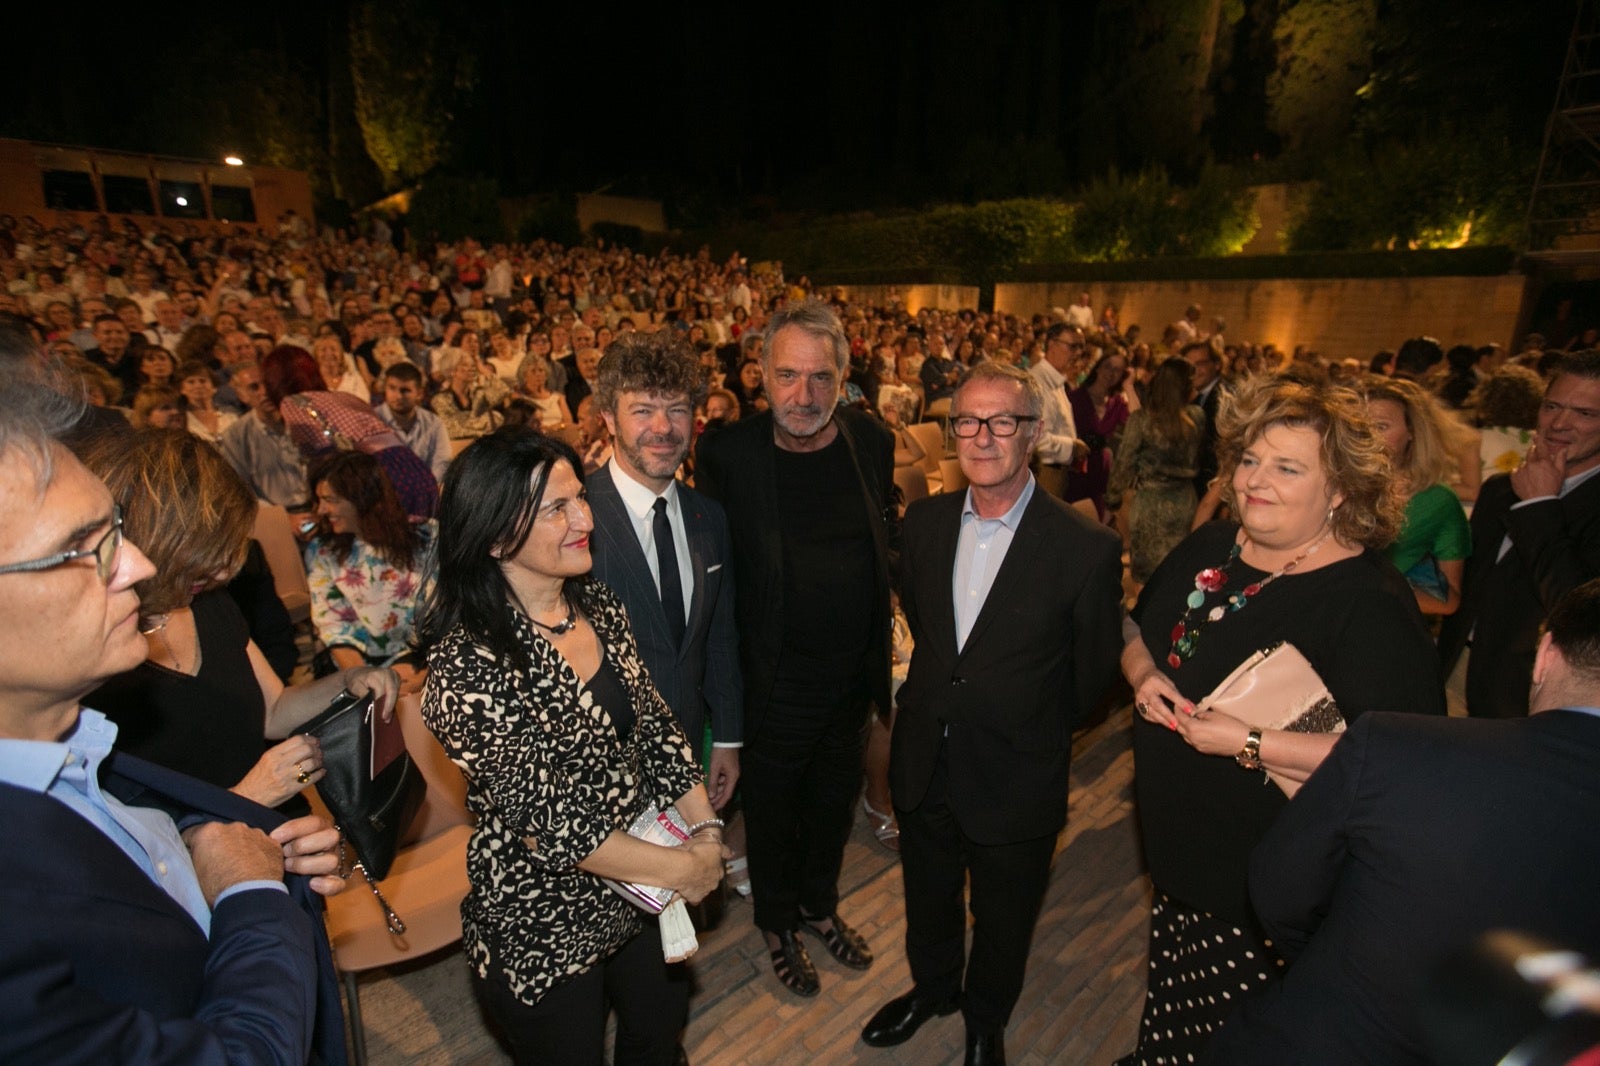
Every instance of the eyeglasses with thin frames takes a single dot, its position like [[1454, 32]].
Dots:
[[968, 426], [105, 552]]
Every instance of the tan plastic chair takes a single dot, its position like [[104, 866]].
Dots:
[[913, 483], [930, 438], [275, 532], [951, 479], [425, 885]]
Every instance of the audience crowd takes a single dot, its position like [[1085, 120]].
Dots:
[[338, 375]]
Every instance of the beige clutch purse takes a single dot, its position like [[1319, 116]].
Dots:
[[1277, 689]]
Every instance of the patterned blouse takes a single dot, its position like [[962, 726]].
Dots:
[[365, 602], [549, 779]]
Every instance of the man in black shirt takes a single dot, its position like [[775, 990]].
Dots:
[[808, 490]]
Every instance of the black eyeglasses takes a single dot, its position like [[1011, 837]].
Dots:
[[105, 552], [967, 426]]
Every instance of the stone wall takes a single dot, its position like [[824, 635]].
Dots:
[[1339, 317], [912, 297]]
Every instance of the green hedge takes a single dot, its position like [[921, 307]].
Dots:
[[1453, 262]]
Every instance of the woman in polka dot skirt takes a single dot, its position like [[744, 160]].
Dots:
[[1309, 483]]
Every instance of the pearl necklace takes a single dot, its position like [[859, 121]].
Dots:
[[1212, 579]]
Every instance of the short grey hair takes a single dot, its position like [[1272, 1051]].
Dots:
[[33, 420], [817, 319], [992, 370]]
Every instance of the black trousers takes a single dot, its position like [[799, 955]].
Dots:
[[800, 776], [568, 1025], [1008, 885]]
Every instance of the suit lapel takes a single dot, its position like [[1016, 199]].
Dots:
[[1014, 573], [614, 524], [699, 536], [942, 622]]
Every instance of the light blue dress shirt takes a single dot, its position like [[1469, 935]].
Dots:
[[69, 771], [980, 549]]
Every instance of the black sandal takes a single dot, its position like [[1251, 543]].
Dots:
[[793, 966], [843, 942]]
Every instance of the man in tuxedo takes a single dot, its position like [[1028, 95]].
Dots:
[[663, 547], [808, 487], [1413, 838], [1014, 601], [120, 939], [1535, 536]]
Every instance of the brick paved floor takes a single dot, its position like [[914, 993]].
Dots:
[[1080, 1004]]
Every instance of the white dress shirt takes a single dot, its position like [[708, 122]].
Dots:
[[1060, 432], [640, 500]]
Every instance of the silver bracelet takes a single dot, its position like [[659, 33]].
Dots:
[[709, 823]]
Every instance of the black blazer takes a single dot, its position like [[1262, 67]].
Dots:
[[1037, 660], [736, 468], [99, 964], [1555, 547], [702, 673], [1415, 835]]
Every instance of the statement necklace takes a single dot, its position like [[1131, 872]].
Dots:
[[1212, 579], [566, 625]]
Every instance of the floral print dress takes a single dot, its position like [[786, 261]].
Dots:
[[363, 601]]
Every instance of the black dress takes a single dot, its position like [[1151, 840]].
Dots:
[[211, 725], [1201, 815]]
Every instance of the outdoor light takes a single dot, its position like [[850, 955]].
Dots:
[[182, 201], [233, 160]]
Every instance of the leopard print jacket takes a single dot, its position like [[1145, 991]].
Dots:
[[549, 780]]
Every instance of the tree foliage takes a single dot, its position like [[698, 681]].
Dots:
[[1437, 191], [1324, 56], [408, 73], [1145, 216]]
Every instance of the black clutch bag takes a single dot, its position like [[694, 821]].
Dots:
[[372, 788]]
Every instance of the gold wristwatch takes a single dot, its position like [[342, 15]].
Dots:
[[1250, 756]]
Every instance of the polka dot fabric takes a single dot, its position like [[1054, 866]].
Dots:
[[1201, 969]]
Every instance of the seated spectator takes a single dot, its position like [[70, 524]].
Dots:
[[157, 407], [420, 429], [533, 382], [748, 389], [503, 355], [471, 393], [1413, 838], [894, 409], [156, 367], [338, 369], [320, 421], [1099, 411], [205, 701], [365, 566], [259, 448], [198, 383]]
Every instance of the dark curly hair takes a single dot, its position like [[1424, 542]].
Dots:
[[662, 363], [359, 478]]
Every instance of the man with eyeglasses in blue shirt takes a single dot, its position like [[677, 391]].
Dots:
[[122, 939], [1014, 602]]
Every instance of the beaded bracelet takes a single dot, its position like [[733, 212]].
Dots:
[[709, 823]]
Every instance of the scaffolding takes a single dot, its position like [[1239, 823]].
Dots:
[[1565, 201]]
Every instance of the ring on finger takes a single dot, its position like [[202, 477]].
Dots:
[[304, 775]]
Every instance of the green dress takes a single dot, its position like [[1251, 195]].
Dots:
[[1435, 531], [1160, 474]]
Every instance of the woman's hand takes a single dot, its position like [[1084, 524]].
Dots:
[[382, 682], [705, 855], [1158, 700], [411, 679], [283, 771], [1214, 733]]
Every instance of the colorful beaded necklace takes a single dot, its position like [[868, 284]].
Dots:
[[1212, 579]]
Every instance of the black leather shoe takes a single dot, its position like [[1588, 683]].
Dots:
[[898, 1019], [793, 966], [843, 942], [985, 1049]]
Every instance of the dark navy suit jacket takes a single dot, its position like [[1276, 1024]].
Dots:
[[98, 964], [702, 672]]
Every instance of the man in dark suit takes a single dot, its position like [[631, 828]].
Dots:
[[1208, 391], [1413, 838], [1014, 601], [809, 491], [663, 547], [1535, 536], [120, 939]]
